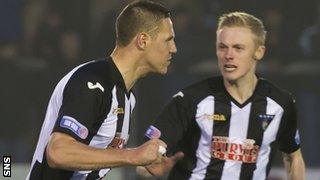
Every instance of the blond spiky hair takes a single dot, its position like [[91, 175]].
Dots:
[[242, 19]]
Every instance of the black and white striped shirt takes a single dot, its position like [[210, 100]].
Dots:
[[222, 139], [90, 104]]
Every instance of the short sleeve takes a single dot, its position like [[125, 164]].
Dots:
[[81, 107], [289, 140], [174, 120]]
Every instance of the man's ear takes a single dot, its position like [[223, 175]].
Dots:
[[259, 53], [141, 40]]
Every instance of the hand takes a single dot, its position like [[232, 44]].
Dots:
[[159, 169], [148, 153]]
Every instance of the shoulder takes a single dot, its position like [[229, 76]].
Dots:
[[201, 89], [283, 97], [100, 70], [93, 75], [93, 69]]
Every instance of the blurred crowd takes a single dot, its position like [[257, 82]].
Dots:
[[40, 40], [67, 32]]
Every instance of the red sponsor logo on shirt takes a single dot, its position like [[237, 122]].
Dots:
[[235, 149]]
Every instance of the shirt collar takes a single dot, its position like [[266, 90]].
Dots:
[[117, 75]]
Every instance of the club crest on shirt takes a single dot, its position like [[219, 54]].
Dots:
[[266, 119], [73, 125]]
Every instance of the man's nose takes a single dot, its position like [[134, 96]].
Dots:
[[174, 48], [229, 54]]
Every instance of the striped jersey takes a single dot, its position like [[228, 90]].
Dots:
[[222, 139], [92, 105]]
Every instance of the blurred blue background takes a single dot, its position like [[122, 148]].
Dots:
[[41, 40]]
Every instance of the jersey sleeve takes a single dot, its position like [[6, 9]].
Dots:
[[80, 109], [174, 120], [289, 140]]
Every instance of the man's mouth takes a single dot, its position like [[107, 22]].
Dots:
[[229, 67]]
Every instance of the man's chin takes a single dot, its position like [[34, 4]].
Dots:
[[163, 71], [230, 78]]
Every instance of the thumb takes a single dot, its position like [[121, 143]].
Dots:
[[177, 156]]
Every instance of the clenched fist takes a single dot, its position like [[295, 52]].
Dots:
[[149, 153]]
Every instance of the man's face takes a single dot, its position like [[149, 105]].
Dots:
[[161, 48], [237, 53]]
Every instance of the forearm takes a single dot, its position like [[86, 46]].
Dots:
[[73, 155], [294, 166]]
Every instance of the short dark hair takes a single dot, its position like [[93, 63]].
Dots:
[[136, 17]]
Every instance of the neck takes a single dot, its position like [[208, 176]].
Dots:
[[242, 89], [129, 64]]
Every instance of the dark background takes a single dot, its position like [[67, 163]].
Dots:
[[41, 40]]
